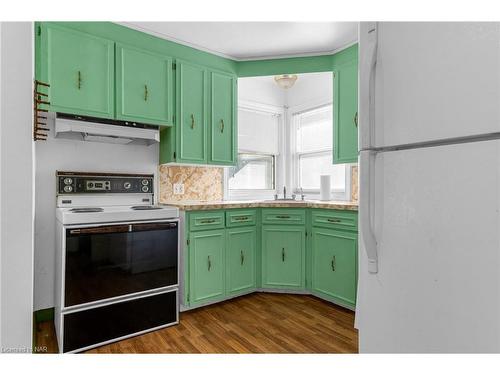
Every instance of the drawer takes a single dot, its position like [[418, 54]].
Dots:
[[204, 220], [337, 219], [283, 216], [240, 218]]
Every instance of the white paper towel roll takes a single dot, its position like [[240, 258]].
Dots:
[[325, 187]]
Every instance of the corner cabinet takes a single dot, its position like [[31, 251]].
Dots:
[[144, 86], [80, 70], [191, 119], [205, 128], [240, 259], [345, 101], [223, 131]]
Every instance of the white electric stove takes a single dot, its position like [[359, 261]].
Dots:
[[117, 272]]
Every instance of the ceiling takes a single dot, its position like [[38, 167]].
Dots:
[[255, 40]]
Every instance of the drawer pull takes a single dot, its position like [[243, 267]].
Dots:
[[145, 93], [241, 218], [283, 216], [221, 125], [207, 221], [209, 263], [334, 220], [242, 257], [192, 121], [333, 263], [79, 80], [283, 254]]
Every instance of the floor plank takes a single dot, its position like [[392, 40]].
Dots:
[[255, 323]]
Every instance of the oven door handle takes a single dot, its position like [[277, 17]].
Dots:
[[153, 226], [101, 230]]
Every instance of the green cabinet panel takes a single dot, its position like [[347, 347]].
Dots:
[[204, 220], [239, 218], [335, 219], [283, 216], [223, 131], [206, 264], [334, 265], [80, 70], [240, 259], [191, 120], [144, 87], [345, 134], [283, 256]]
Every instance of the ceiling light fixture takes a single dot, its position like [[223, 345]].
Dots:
[[285, 81]]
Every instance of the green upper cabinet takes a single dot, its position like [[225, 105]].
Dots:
[[80, 70], [223, 132], [191, 120], [283, 256], [240, 255], [207, 265], [334, 265], [144, 86], [345, 134]]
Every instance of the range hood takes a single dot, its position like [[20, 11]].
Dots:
[[92, 129]]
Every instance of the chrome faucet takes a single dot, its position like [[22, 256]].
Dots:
[[284, 192]]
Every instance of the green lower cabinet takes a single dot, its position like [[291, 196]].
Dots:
[[207, 265], [334, 265], [240, 259], [283, 257]]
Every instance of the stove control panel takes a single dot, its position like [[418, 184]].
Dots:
[[89, 183]]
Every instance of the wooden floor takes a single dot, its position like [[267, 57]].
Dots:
[[256, 323]]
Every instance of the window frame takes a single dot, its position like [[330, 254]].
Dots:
[[279, 161], [294, 155]]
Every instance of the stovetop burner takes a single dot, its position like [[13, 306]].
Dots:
[[87, 209], [138, 208]]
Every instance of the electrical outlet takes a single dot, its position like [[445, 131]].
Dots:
[[178, 189]]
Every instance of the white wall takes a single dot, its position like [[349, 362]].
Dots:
[[261, 90], [16, 186], [73, 155], [310, 89]]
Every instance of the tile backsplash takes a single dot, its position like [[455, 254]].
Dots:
[[206, 183], [200, 183]]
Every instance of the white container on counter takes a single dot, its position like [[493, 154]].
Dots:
[[325, 187]]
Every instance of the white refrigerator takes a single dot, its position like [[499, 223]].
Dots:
[[429, 139]]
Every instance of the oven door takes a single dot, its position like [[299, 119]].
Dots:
[[109, 261]]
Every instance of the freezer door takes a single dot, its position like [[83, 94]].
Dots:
[[432, 81], [437, 230]]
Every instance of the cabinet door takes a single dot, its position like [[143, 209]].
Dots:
[[283, 257], [240, 255], [334, 271], [143, 86], [191, 119], [80, 70], [345, 134], [206, 265], [222, 119]]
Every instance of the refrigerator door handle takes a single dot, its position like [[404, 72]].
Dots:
[[368, 51], [367, 234]]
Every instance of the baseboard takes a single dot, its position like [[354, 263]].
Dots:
[[45, 315]]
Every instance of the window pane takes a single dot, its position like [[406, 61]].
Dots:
[[315, 130], [311, 167], [252, 172]]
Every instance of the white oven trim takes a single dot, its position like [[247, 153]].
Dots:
[[60, 310]]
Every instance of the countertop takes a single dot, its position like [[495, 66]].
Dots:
[[215, 205]]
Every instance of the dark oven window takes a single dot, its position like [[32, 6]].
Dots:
[[115, 260]]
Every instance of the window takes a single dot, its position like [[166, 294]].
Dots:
[[259, 129], [313, 150], [253, 171]]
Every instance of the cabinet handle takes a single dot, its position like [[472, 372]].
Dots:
[[356, 119], [241, 218], [242, 257], [283, 217], [283, 254], [145, 93], [207, 221], [333, 263], [334, 220], [209, 263], [221, 125], [79, 80], [192, 121]]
